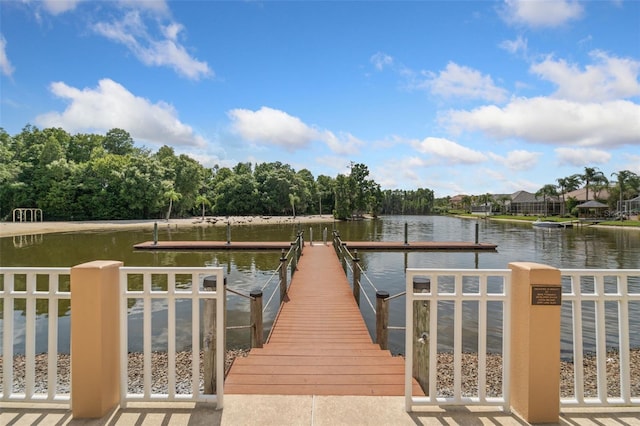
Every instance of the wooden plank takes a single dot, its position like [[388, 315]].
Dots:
[[319, 343]]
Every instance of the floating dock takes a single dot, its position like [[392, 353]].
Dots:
[[351, 245]]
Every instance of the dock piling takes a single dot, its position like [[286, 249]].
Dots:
[[421, 334], [283, 276], [209, 330], [382, 319], [356, 277], [257, 329]]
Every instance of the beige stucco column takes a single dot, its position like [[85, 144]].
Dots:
[[95, 338], [536, 293]]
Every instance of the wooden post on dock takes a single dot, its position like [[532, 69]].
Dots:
[[294, 258], [257, 329], [382, 319], [421, 334], [406, 233], [283, 276], [209, 329], [356, 277]]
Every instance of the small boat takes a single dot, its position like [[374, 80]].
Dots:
[[549, 224]]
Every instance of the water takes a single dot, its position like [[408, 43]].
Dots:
[[586, 247]]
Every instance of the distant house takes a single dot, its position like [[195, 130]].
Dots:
[[525, 203], [581, 194]]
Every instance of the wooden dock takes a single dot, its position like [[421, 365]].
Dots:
[[351, 245], [419, 246], [319, 344], [213, 245]]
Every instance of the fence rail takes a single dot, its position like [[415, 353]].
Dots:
[[31, 285], [607, 293], [194, 292], [456, 286]]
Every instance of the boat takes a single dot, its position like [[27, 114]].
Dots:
[[549, 224]]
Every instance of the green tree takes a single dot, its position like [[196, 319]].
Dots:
[[567, 184], [548, 190], [118, 141], [627, 186], [592, 177], [201, 200], [172, 195]]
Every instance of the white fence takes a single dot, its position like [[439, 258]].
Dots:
[[610, 298], [601, 304], [25, 286], [457, 287]]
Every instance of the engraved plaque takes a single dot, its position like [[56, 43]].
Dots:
[[546, 295]]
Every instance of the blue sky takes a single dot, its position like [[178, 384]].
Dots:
[[457, 96]]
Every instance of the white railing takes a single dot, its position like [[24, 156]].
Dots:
[[602, 293], [458, 286], [25, 285], [28, 282], [194, 292]]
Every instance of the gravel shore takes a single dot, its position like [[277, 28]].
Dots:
[[445, 373]]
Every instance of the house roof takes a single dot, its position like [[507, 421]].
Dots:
[[581, 194], [592, 205]]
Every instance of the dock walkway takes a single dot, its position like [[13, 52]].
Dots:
[[319, 344]]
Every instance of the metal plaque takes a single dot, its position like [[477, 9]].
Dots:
[[546, 295]]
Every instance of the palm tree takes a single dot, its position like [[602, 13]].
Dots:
[[548, 190], [172, 195], [202, 200], [624, 177], [567, 184], [590, 177]]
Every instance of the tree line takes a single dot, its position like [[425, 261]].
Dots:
[[100, 177]]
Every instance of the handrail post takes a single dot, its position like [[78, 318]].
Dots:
[[536, 304], [257, 329], [210, 348], [283, 276], [421, 340], [95, 346], [356, 277], [294, 257], [382, 319]]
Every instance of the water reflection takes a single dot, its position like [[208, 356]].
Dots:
[[571, 248]]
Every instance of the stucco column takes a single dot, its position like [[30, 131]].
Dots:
[[95, 338], [536, 293]]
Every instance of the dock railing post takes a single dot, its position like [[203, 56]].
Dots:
[[95, 346], [294, 257], [210, 349], [421, 339], [382, 319], [356, 277], [406, 233], [283, 276], [155, 233], [477, 232], [536, 304], [257, 329]]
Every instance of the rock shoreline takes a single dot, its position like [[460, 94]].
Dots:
[[445, 373]]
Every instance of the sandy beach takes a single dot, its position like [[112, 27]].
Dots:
[[9, 229]]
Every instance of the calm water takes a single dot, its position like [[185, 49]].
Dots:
[[571, 248]]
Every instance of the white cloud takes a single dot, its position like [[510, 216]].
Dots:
[[514, 46], [381, 60], [274, 127], [111, 105], [451, 151], [463, 82], [517, 160], [580, 157], [608, 78], [5, 65], [154, 51], [541, 14], [56, 7], [554, 121], [159, 6]]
